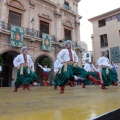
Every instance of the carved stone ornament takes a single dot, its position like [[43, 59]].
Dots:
[[32, 3], [44, 15]]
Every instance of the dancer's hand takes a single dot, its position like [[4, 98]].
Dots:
[[18, 67], [75, 65], [63, 63]]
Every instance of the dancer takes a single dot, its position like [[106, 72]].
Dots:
[[114, 67], [45, 72], [90, 68], [108, 76], [69, 59], [25, 76]]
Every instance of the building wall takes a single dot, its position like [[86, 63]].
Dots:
[[41, 10], [112, 29], [50, 11], [46, 8]]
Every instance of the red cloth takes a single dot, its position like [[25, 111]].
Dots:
[[45, 76], [70, 54], [25, 58], [98, 74]]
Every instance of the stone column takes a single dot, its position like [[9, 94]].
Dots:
[[57, 24]]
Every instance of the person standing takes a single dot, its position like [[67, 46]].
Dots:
[[25, 76], [69, 59], [108, 76], [46, 71], [114, 68]]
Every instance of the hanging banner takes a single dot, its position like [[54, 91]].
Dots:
[[16, 36], [115, 54], [46, 42]]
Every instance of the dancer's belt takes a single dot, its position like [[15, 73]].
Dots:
[[70, 63], [24, 65], [107, 69]]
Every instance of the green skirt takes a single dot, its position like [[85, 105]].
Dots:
[[109, 78], [63, 78], [26, 78], [94, 74]]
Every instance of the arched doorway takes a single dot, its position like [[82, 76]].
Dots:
[[9, 71], [44, 60]]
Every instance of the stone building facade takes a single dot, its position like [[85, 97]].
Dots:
[[57, 18]]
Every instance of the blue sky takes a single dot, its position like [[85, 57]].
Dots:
[[91, 8]]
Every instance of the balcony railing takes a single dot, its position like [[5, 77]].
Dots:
[[67, 7], [27, 31]]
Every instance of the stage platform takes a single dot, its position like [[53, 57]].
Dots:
[[44, 103]]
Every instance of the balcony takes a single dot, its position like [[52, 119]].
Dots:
[[67, 7], [27, 31]]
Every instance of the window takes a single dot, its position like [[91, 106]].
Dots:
[[87, 55], [14, 19], [67, 34], [118, 17], [44, 28], [101, 23], [103, 40], [66, 5]]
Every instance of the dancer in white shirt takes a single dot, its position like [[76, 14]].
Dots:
[[69, 59], [108, 77], [25, 76], [45, 72], [90, 68]]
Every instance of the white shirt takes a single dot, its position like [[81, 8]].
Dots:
[[87, 67], [20, 59], [63, 56], [45, 69], [32, 67], [0, 68], [103, 61], [115, 66], [96, 69], [57, 65]]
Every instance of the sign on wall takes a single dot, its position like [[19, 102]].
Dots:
[[115, 54], [16, 36], [46, 42]]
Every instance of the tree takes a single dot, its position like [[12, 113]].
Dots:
[[46, 61]]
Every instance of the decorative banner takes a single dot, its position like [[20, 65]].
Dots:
[[16, 36], [46, 42], [115, 54]]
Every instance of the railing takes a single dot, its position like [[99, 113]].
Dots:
[[27, 31], [67, 7]]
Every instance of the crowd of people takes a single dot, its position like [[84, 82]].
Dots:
[[66, 70]]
